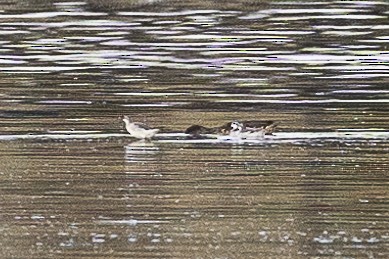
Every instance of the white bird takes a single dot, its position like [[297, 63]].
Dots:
[[139, 130], [239, 131]]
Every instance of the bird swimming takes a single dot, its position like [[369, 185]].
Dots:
[[267, 127], [139, 130], [238, 130], [196, 130]]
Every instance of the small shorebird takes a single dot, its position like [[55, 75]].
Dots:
[[238, 130], [139, 130], [197, 130], [267, 127]]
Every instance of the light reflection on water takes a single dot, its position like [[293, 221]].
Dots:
[[155, 194], [75, 185]]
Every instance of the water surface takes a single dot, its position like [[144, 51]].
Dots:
[[74, 185]]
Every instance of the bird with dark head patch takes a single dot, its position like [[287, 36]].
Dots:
[[268, 128]]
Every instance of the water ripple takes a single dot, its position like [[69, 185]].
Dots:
[[74, 184], [44, 15]]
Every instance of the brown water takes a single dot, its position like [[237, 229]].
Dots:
[[74, 185]]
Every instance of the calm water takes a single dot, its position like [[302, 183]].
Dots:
[[74, 185]]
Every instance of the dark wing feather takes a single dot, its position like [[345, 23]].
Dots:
[[268, 126], [257, 124], [142, 125], [195, 130], [224, 129]]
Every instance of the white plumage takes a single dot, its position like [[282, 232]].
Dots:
[[139, 130], [239, 131]]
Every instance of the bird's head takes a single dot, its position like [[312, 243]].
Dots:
[[236, 126], [125, 118]]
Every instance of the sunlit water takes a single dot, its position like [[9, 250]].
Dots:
[[75, 185]]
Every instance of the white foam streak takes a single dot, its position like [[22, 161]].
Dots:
[[48, 15]]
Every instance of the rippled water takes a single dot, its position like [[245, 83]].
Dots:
[[74, 185]]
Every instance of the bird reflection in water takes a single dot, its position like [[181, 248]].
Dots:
[[140, 151]]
